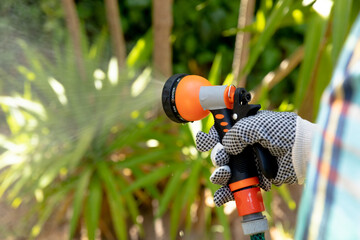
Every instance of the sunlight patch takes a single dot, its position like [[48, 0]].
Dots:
[[151, 143], [39, 195], [99, 76], [113, 71], [323, 7], [141, 82], [58, 89], [298, 16]]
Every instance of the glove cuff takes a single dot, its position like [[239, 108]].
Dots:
[[302, 147]]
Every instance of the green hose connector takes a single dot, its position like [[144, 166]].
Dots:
[[259, 236]]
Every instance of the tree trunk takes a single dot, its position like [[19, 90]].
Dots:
[[116, 32], [162, 25], [73, 25]]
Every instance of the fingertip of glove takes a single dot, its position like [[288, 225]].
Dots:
[[200, 141], [218, 156], [222, 158], [205, 142], [222, 196], [214, 133], [221, 175]]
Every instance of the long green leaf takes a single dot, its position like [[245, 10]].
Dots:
[[141, 52], [84, 42], [19, 187], [49, 205], [147, 158], [36, 62], [192, 182], [191, 190], [11, 176], [313, 38], [341, 25], [215, 71], [170, 191], [98, 48], [223, 219], [131, 205], [151, 189], [93, 207], [152, 178], [83, 144], [18, 103], [131, 135], [117, 209], [176, 211], [79, 200], [224, 222], [277, 15], [323, 77]]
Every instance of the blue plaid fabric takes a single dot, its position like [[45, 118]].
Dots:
[[330, 206]]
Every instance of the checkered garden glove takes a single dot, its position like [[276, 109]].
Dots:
[[219, 158], [285, 135]]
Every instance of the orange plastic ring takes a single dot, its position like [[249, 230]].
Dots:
[[244, 183], [229, 96]]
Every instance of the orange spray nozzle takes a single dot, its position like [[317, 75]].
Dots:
[[188, 98]]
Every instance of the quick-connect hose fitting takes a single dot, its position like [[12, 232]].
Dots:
[[247, 196]]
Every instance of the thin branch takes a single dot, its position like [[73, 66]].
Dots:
[[162, 24], [116, 32], [73, 25], [274, 77], [241, 53]]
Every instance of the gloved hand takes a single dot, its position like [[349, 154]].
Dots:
[[285, 135]]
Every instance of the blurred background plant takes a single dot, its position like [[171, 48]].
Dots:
[[84, 144]]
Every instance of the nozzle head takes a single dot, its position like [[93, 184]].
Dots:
[[168, 98], [180, 98]]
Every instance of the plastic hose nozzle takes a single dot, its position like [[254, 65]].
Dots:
[[189, 98]]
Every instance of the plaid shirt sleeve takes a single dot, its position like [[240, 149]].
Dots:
[[330, 205]]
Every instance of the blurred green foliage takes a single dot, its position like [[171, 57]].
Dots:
[[76, 145], [65, 142]]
